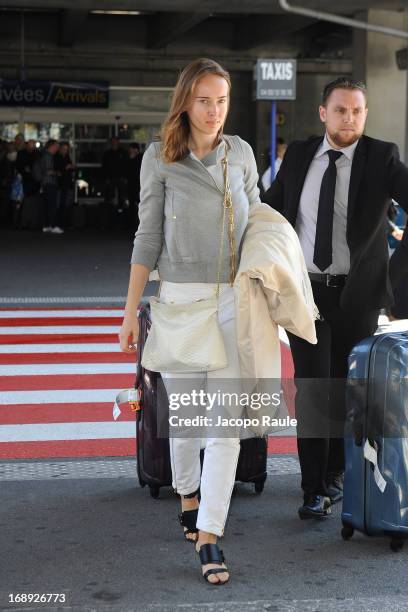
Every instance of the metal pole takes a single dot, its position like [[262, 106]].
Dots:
[[21, 113], [273, 140], [353, 23], [22, 50]]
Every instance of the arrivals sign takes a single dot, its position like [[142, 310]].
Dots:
[[54, 94], [275, 79]]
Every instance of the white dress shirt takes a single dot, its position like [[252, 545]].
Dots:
[[309, 205], [266, 177]]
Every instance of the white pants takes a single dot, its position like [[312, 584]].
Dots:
[[221, 454]]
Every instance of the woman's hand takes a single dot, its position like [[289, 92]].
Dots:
[[129, 334]]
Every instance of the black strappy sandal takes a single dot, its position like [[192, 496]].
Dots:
[[188, 519], [210, 553]]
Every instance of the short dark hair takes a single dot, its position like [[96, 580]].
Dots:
[[343, 83], [50, 142]]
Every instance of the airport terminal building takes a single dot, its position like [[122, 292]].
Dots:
[[87, 73]]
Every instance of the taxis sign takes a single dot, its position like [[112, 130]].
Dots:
[[275, 79], [54, 94]]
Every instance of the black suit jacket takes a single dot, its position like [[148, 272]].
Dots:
[[377, 175]]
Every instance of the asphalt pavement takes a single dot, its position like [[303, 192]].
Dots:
[[78, 267], [87, 530]]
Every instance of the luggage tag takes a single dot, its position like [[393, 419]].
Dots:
[[132, 396], [370, 454]]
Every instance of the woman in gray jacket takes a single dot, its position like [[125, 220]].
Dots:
[[180, 224]]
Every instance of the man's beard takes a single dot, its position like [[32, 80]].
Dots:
[[344, 140]]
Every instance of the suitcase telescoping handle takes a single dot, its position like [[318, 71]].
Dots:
[[139, 374], [137, 406], [142, 315]]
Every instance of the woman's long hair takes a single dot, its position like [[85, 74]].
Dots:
[[175, 130]]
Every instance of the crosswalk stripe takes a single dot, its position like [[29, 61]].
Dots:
[[53, 367], [65, 381], [47, 314], [59, 396], [108, 447], [106, 347], [27, 358], [66, 368], [48, 323], [59, 329], [45, 338], [67, 431], [61, 413]]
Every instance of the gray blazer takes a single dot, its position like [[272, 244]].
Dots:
[[180, 211]]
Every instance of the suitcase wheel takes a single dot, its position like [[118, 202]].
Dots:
[[347, 532], [259, 486], [155, 492], [396, 544]]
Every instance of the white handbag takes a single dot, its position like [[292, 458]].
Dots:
[[186, 338]]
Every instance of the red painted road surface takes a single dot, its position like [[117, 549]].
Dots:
[[60, 370]]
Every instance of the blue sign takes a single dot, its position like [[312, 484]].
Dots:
[[54, 94]]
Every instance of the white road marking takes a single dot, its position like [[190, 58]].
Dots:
[[52, 369], [67, 431], [62, 396], [111, 347]]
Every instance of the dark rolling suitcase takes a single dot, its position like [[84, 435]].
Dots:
[[153, 454], [376, 443], [252, 462]]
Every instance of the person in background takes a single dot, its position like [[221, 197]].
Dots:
[[114, 164], [394, 230], [11, 154], [399, 310], [19, 142], [65, 173], [281, 147], [3, 149], [8, 166], [49, 183], [26, 158], [134, 164], [7, 175]]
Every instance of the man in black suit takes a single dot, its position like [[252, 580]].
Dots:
[[335, 190]]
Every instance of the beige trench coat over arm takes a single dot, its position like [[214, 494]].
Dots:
[[272, 288]]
